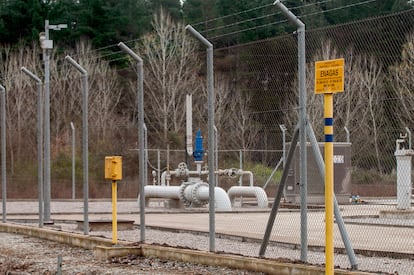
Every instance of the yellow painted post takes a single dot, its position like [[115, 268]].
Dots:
[[114, 216], [329, 79], [329, 186], [113, 171]]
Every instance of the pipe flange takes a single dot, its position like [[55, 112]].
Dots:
[[181, 195], [196, 201], [182, 169]]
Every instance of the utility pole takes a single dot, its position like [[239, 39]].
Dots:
[[47, 45]]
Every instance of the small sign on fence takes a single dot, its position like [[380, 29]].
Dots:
[[329, 76]]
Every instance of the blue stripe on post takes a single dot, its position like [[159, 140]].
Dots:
[[328, 138], [328, 121]]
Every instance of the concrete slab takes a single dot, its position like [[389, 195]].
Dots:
[[246, 223], [105, 225]]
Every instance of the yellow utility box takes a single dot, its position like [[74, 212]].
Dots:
[[113, 168]]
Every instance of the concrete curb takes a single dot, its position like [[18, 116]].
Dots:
[[103, 249]]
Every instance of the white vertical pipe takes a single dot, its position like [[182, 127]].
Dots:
[[189, 124]]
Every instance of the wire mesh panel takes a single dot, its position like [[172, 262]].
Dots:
[[371, 114]]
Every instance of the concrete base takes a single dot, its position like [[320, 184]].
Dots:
[[106, 225], [318, 199], [273, 266], [397, 214]]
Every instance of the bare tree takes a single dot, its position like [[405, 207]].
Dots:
[[104, 94], [372, 79], [358, 108], [402, 75], [171, 71], [21, 100], [236, 128]]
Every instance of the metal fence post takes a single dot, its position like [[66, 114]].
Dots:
[[84, 141], [3, 151], [141, 134], [39, 141], [72, 126], [211, 145], [302, 125]]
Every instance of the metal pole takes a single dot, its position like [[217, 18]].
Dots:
[[47, 187], [348, 139], [409, 137], [283, 129], [72, 126], [278, 197], [241, 166], [114, 214], [211, 149], [159, 166], [146, 152], [84, 141], [273, 173], [39, 85], [338, 217], [216, 154], [329, 187], [141, 137], [302, 126], [3, 151], [47, 44]]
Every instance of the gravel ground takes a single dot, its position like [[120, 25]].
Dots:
[[36, 256], [25, 255], [21, 255]]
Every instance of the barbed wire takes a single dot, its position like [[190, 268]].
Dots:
[[302, 16], [264, 16]]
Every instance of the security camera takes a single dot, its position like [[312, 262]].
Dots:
[[42, 37], [45, 43]]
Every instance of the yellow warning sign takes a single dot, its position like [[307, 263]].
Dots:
[[329, 76]]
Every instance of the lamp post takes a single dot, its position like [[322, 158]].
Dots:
[[39, 140], [47, 45]]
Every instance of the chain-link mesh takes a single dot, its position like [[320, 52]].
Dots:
[[256, 96], [369, 116]]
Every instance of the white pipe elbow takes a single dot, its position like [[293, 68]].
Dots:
[[247, 191]]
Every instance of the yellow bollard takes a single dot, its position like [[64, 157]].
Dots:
[[113, 171]]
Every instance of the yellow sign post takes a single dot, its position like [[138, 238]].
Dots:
[[329, 79], [113, 171]]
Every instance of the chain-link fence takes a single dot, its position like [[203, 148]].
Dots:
[[256, 113], [369, 116]]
